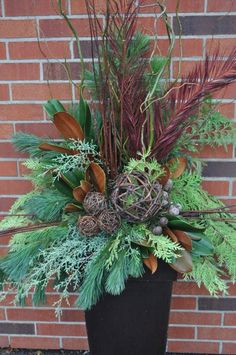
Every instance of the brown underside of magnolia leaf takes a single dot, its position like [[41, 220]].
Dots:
[[55, 148], [97, 177], [151, 263], [184, 239], [68, 126], [181, 166], [184, 263]]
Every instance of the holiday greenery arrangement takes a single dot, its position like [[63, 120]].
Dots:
[[122, 188]]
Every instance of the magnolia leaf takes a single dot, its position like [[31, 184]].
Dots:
[[202, 247], [79, 194], [181, 163], [72, 207], [96, 175], [68, 126], [180, 224], [164, 178], [184, 239], [53, 106], [85, 185], [171, 234], [151, 262], [184, 263], [81, 191], [55, 148]]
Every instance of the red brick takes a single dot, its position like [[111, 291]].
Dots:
[[41, 50], [59, 28], [230, 319], [52, 299], [41, 91], [234, 188], [34, 342], [14, 187], [2, 50], [223, 43], [41, 315], [227, 109], [148, 26], [183, 303], [229, 348], [3, 252], [2, 314], [79, 7], [232, 289], [227, 93], [221, 5], [4, 342], [5, 205], [31, 8], [45, 129], [193, 347], [19, 71], [18, 29], [217, 333], [218, 188], [195, 318], [185, 6], [216, 152], [18, 112], [6, 130], [61, 329], [8, 168], [190, 47], [4, 92], [181, 332], [72, 316], [7, 151], [188, 288], [75, 343]]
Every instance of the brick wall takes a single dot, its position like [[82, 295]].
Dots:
[[198, 322]]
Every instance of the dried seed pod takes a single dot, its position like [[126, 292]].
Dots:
[[88, 225], [169, 185], [157, 230], [109, 221], [163, 221], [174, 211], [94, 203]]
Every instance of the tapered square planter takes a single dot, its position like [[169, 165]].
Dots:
[[135, 322]]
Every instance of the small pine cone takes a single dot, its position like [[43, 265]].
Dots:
[[94, 203], [88, 225], [109, 221]]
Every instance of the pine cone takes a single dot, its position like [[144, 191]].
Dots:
[[94, 203], [88, 225], [109, 221]]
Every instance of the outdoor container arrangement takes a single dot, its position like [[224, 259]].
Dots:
[[118, 207]]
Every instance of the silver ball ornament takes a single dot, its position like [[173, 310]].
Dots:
[[169, 185], [163, 221], [157, 230], [174, 211]]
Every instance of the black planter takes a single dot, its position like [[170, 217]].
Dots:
[[136, 322]]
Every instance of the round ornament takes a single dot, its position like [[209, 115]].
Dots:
[[109, 221], [88, 225], [94, 203], [136, 198]]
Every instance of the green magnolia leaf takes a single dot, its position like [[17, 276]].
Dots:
[[180, 224], [53, 106], [73, 178], [202, 247], [85, 117], [63, 187], [81, 112]]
